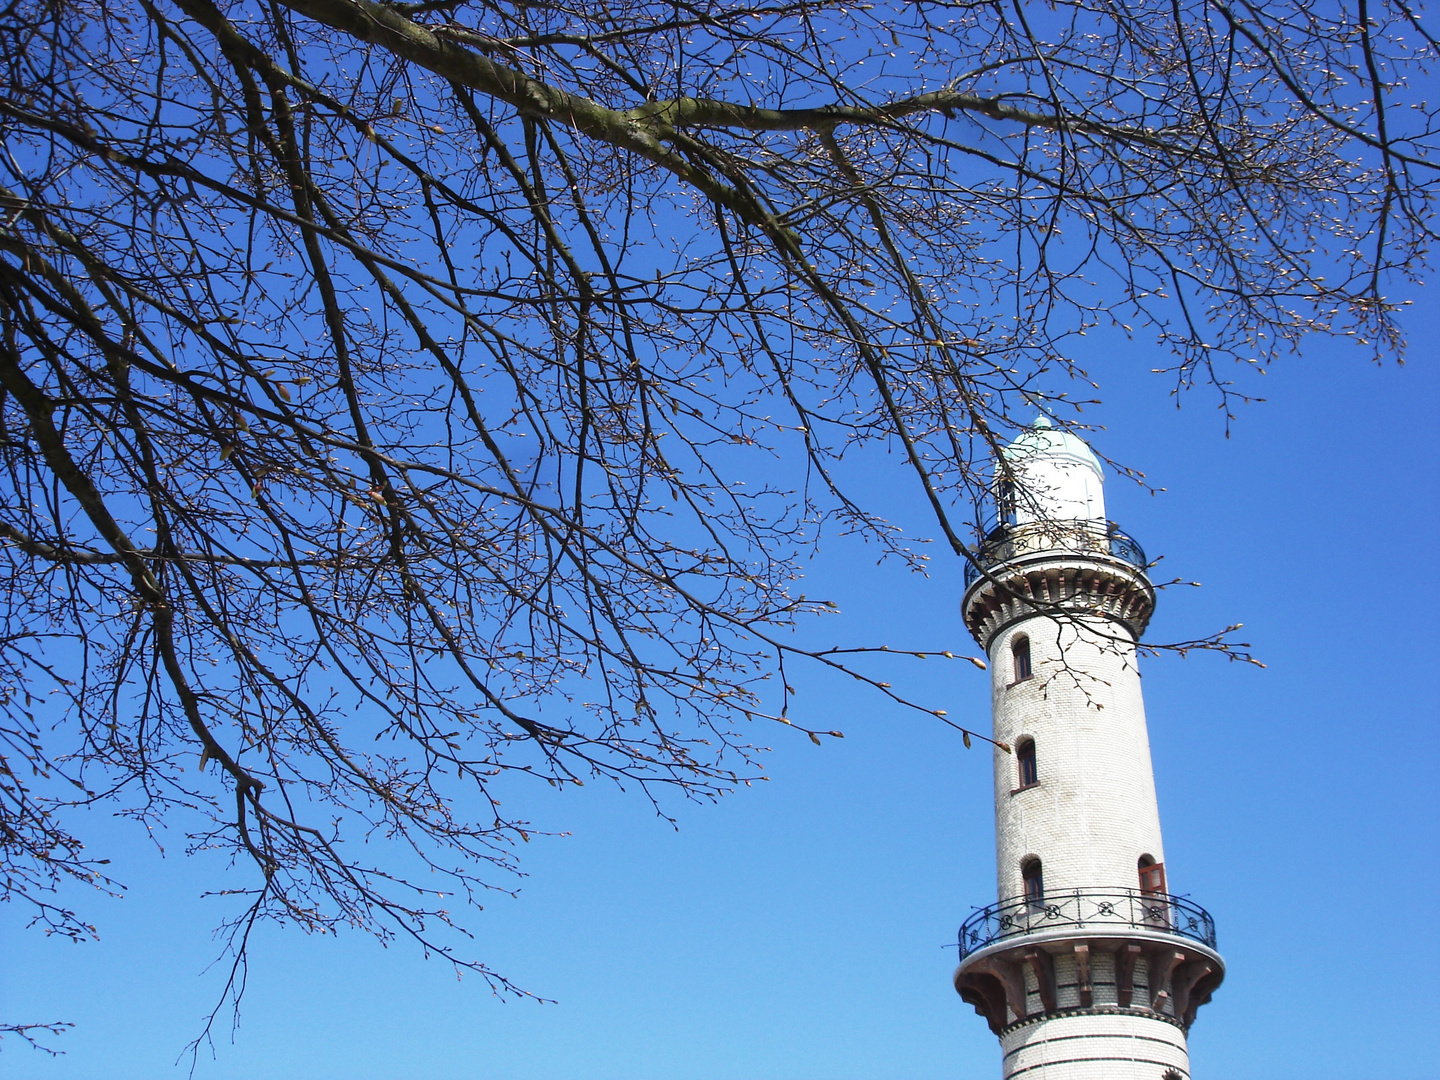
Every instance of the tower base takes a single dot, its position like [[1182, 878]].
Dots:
[[1095, 1044]]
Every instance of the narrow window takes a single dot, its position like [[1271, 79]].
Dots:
[[1020, 651], [1005, 502], [1034, 881], [1025, 758], [1152, 876]]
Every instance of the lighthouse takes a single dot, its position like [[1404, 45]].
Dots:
[[1087, 966]]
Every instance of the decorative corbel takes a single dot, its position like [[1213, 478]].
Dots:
[[1183, 983], [1082, 976], [1043, 965], [1163, 963], [1125, 957]]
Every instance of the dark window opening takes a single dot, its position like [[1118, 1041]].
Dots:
[[1034, 881], [1152, 875], [1025, 759], [1005, 502], [1020, 652]]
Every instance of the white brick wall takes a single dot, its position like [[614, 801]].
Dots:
[[1105, 1046], [1093, 812]]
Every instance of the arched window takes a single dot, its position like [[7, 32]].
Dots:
[[1025, 759], [1152, 875], [1034, 881], [1020, 652]]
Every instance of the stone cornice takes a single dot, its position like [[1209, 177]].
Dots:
[[1063, 583], [1002, 982]]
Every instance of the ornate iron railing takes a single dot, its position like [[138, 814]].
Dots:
[[1087, 909], [1003, 543], [1124, 546]]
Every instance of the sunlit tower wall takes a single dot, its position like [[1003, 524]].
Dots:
[[1086, 967]]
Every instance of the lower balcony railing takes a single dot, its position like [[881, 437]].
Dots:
[[1087, 909]]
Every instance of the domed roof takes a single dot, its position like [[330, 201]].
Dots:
[[1043, 439]]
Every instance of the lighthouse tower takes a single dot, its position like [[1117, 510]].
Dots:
[[1087, 967]]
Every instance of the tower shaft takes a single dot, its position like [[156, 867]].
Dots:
[[1086, 967], [1091, 812]]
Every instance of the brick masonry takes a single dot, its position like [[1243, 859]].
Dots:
[[1093, 813], [1097, 1046]]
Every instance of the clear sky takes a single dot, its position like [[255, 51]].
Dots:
[[799, 929]]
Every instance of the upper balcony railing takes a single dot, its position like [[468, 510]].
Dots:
[[1006, 542], [1087, 909]]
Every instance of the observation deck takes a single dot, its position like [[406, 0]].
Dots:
[[1083, 951], [1083, 567]]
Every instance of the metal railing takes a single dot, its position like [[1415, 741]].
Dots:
[[1087, 909], [1124, 546], [1005, 543]]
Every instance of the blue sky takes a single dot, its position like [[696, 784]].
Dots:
[[798, 930]]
